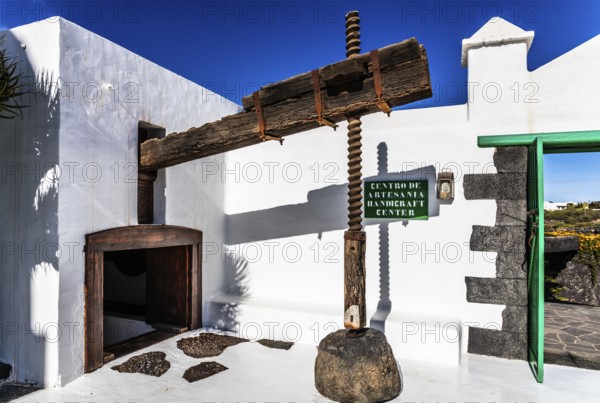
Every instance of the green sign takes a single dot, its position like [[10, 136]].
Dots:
[[397, 199]]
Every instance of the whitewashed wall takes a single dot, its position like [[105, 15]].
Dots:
[[271, 220], [29, 273], [289, 228], [506, 98], [105, 91], [273, 217]]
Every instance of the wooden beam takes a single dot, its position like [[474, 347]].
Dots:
[[141, 237], [288, 107], [301, 84]]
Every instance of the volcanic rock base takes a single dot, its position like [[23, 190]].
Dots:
[[357, 369]]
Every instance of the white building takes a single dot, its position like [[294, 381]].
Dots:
[[557, 205], [272, 218], [70, 169]]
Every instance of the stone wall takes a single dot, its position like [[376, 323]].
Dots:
[[556, 244], [574, 280], [508, 238], [577, 284]]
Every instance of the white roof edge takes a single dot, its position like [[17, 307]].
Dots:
[[66, 24], [584, 46], [496, 32]]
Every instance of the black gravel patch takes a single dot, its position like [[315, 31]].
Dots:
[[207, 344], [281, 345], [153, 363], [203, 370], [9, 392]]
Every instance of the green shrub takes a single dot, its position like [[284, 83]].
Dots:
[[553, 289]]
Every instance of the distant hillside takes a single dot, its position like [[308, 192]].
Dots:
[[582, 215]]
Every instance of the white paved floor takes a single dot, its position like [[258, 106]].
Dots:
[[259, 374]]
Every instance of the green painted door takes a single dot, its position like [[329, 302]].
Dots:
[[535, 280]]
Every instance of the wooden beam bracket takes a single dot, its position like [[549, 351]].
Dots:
[[261, 121], [381, 103], [319, 103]]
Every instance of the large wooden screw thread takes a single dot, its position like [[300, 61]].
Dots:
[[354, 175], [355, 237]]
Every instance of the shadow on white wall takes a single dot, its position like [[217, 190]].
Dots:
[[326, 210], [29, 274]]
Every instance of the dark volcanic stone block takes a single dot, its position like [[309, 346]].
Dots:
[[503, 344], [488, 290], [207, 344], [511, 159], [279, 344], [511, 265], [153, 363], [511, 212], [503, 186], [514, 319], [512, 186], [498, 239], [480, 186], [561, 244], [203, 370]]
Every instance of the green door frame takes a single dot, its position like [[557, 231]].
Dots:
[[538, 145], [535, 273], [554, 143]]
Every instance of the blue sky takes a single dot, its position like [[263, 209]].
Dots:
[[572, 177], [235, 46]]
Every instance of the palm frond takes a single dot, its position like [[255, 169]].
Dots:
[[11, 87]]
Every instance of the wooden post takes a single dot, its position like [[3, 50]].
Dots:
[[355, 316], [355, 238]]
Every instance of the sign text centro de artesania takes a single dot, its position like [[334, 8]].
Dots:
[[397, 199]]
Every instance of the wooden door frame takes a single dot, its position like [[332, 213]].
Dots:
[[128, 238]]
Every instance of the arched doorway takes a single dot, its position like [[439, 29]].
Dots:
[[173, 279]]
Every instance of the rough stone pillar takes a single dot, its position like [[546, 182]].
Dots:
[[508, 238]]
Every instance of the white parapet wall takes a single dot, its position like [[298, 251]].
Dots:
[[286, 215], [286, 206], [29, 276]]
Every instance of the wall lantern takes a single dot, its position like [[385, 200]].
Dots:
[[445, 186]]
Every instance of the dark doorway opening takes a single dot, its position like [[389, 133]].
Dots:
[[151, 184], [125, 296], [141, 283]]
